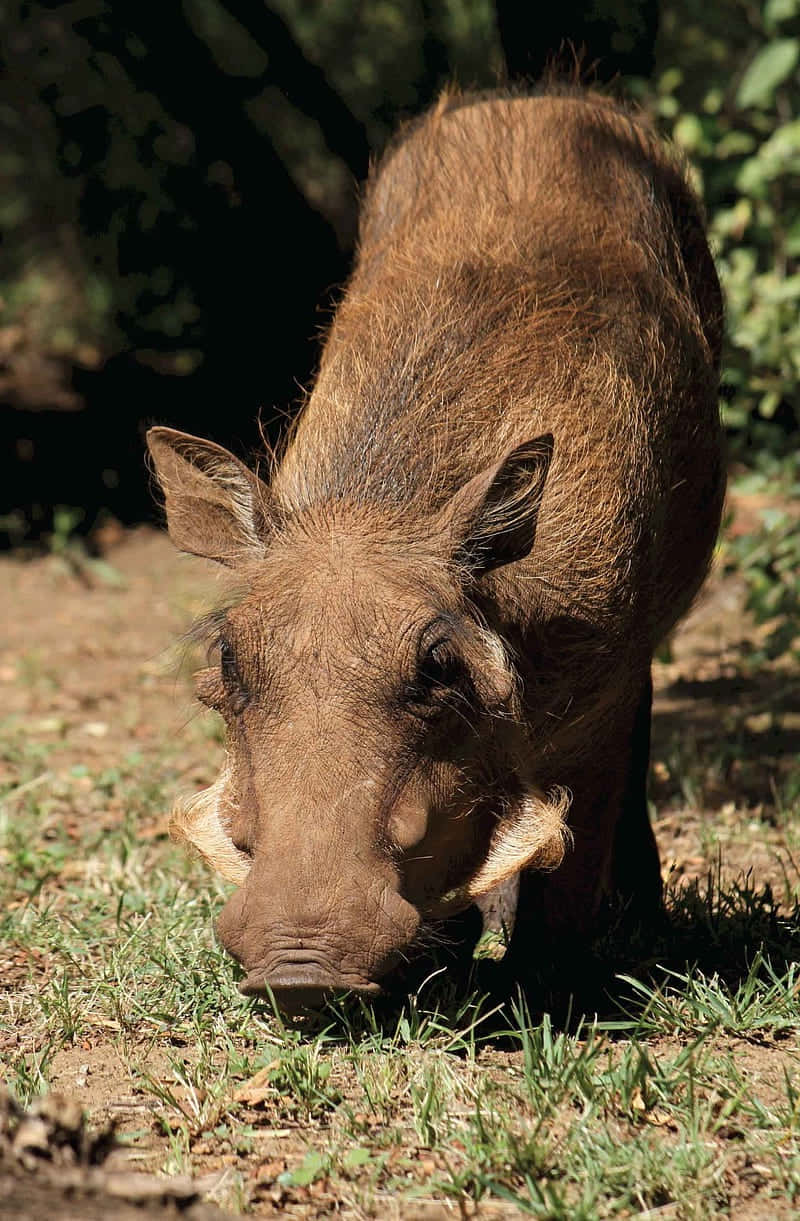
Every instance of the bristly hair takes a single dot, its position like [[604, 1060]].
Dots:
[[432, 935], [479, 315], [206, 629]]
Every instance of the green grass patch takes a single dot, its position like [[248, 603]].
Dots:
[[675, 1066]]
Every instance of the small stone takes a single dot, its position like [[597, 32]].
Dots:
[[96, 729]]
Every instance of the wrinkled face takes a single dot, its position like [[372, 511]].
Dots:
[[371, 779]]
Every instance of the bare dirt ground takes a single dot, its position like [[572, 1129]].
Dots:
[[94, 665], [91, 667]]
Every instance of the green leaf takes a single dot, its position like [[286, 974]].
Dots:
[[770, 68], [776, 11], [312, 1168], [356, 1157], [688, 132], [793, 238], [670, 80], [769, 404], [734, 144]]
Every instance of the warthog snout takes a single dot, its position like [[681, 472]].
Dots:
[[315, 937]]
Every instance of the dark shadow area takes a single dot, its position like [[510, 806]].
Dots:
[[736, 933], [94, 458], [172, 241], [731, 737], [611, 42]]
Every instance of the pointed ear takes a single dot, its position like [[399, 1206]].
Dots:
[[216, 507], [492, 519]]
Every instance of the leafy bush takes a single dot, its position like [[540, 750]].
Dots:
[[727, 90], [729, 94], [768, 556]]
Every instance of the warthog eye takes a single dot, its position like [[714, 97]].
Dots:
[[235, 689], [440, 674], [440, 667]]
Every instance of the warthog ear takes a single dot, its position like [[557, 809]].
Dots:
[[216, 507], [492, 519]]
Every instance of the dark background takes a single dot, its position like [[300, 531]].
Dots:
[[178, 200]]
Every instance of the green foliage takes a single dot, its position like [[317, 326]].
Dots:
[[393, 46], [78, 127], [104, 185], [727, 91], [773, 64], [768, 556]]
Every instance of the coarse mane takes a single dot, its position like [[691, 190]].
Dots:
[[477, 300], [498, 296]]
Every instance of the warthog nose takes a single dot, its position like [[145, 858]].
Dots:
[[300, 986]]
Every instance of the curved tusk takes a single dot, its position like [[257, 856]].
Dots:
[[498, 910]]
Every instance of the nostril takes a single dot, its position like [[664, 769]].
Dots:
[[300, 986]]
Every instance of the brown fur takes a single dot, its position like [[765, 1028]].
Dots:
[[514, 436]]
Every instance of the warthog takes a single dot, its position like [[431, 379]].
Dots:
[[502, 493]]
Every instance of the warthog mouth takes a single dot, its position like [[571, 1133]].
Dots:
[[302, 986]]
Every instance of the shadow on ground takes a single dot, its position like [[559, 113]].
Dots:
[[733, 737], [737, 934]]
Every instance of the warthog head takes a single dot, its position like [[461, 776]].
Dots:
[[372, 778]]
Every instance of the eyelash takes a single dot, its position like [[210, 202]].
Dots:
[[235, 689], [439, 673]]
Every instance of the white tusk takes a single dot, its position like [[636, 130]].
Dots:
[[498, 909], [199, 821]]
